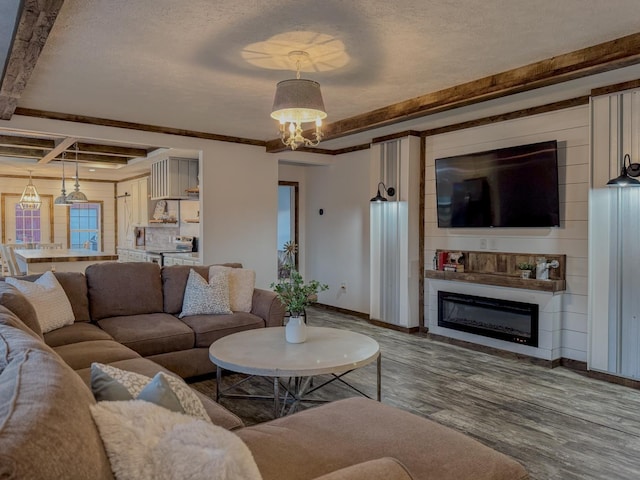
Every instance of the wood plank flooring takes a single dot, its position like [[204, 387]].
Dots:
[[556, 422]]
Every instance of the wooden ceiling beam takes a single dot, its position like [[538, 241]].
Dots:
[[35, 23], [21, 152], [90, 158], [112, 150], [16, 141], [603, 57]]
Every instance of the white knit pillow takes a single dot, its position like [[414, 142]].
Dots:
[[242, 282], [147, 442], [135, 383], [206, 298], [49, 300]]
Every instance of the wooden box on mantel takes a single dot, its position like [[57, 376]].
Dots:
[[500, 269]]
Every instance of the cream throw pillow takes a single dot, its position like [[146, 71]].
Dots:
[[206, 298], [147, 442], [49, 300], [242, 282], [136, 382]]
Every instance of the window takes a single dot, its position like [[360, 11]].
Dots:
[[27, 225], [85, 220]]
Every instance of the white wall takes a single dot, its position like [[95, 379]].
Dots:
[[96, 191], [337, 243], [571, 128]]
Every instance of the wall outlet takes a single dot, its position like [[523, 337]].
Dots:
[[483, 244], [493, 244], [343, 286]]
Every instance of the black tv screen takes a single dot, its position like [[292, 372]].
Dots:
[[508, 187]]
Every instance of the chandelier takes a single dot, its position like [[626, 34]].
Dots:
[[30, 199], [298, 101]]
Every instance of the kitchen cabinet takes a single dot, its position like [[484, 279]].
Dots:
[[180, 259], [173, 178], [140, 202]]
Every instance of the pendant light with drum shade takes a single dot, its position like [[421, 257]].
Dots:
[[62, 201], [30, 199], [298, 101], [77, 196]]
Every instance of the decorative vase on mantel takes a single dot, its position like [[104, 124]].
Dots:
[[296, 330]]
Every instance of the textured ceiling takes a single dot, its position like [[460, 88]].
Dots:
[[181, 63]]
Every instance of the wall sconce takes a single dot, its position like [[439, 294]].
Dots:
[[628, 171], [389, 191]]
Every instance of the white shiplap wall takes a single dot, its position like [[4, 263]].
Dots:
[[95, 191], [570, 128]]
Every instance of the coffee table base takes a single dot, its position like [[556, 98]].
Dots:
[[296, 390]]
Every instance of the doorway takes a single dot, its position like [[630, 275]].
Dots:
[[287, 223]]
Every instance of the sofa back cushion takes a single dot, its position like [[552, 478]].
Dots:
[[120, 289], [74, 285], [45, 419], [12, 299], [174, 283]]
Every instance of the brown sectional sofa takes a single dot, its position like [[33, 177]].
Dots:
[[46, 430]]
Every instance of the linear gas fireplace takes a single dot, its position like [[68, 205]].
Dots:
[[503, 319]]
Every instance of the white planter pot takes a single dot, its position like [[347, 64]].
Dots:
[[296, 330]]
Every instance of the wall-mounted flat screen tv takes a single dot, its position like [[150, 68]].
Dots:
[[508, 187]]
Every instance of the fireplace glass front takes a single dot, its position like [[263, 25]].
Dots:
[[503, 319]]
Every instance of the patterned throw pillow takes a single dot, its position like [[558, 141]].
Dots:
[[135, 383], [242, 282], [205, 298], [49, 300]]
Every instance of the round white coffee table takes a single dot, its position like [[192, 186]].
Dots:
[[265, 352]]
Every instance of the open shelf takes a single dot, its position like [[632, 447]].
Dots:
[[499, 280]]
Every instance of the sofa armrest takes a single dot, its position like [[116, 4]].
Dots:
[[266, 305], [386, 468]]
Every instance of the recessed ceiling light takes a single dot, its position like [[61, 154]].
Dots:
[[92, 169]]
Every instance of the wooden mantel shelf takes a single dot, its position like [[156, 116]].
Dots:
[[498, 280]]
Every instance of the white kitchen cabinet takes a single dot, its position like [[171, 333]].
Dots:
[[140, 202], [123, 255], [173, 178]]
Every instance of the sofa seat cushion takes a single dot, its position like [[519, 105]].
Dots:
[[219, 415], [117, 289], [149, 334], [209, 328], [46, 428], [356, 430], [381, 469], [74, 333], [80, 355]]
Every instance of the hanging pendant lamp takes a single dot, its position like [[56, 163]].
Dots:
[[62, 201], [296, 102], [30, 199], [77, 196]]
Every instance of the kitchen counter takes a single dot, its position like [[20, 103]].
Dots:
[[62, 259]]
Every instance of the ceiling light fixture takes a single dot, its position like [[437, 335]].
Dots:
[[77, 196], [62, 200], [628, 171], [389, 191], [298, 101], [30, 199]]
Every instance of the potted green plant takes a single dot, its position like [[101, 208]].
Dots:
[[525, 269], [296, 295]]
